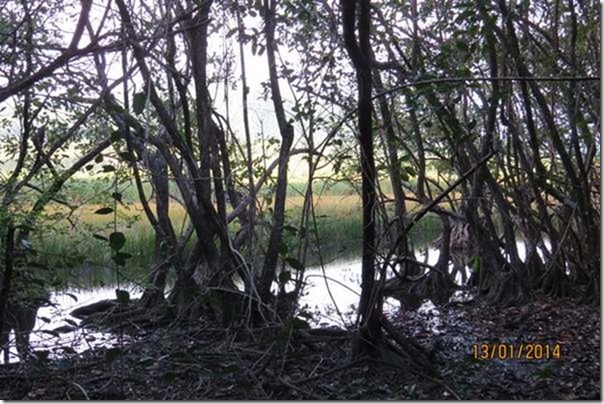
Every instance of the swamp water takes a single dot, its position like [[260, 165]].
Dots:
[[338, 281]]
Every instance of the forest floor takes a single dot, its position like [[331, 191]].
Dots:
[[212, 363]]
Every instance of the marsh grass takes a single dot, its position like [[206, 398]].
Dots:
[[70, 248]]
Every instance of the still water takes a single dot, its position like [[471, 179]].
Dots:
[[330, 295]]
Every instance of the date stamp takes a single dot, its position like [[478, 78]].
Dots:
[[528, 351]]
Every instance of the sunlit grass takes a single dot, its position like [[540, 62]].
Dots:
[[67, 242]]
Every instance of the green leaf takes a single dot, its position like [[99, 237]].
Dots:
[[295, 264], [231, 32], [112, 354], [108, 168], [282, 248], [298, 323], [120, 258], [116, 135], [411, 171], [116, 108], [129, 157], [474, 263], [103, 211], [117, 240], [123, 297], [290, 228], [42, 356], [98, 158], [284, 277], [138, 103]]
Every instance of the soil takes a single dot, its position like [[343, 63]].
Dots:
[[205, 362]]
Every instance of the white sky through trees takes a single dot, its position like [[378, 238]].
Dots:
[[261, 112]]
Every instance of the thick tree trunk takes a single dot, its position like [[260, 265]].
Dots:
[[287, 137], [360, 53], [8, 236], [165, 254]]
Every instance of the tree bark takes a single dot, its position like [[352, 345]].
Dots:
[[287, 137], [359, 52]]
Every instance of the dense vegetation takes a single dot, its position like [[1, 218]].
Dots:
[[203, 143]]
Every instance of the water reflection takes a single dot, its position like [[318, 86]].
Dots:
[[331, 294], [333, 300], [54, 329]]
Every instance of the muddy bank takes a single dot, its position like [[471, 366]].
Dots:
[[205, 362]]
